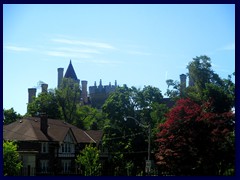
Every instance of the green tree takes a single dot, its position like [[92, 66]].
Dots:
[[89, 161], [10, 116], [147, 96], [11, 160], [125, 136], [200, 71], [206, 85], [89, 118], [46, 102], [173, 90], [68, 96], [64, 103]]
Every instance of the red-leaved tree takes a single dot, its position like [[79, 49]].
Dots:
[[195, 141]]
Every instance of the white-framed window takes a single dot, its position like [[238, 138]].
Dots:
[[44, 166], [67, 148], [44, 147], [66, 164]]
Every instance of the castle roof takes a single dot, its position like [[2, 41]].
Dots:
[[70, 73]]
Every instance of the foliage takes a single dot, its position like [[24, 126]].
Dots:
[[89, 160], [173, 90], [45, 103], [221, 101], [68, 96], [196, 141], [89, 118], [10, 116], [11, 160], [200, 74], [64, 103], [126, 136], [147, 96]]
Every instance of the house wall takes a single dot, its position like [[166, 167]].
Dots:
[[32, 161]]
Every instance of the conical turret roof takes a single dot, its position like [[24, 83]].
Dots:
[[70, 73]]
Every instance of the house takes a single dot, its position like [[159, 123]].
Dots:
[[49, 146]]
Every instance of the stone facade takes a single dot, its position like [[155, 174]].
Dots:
[[98, 94]]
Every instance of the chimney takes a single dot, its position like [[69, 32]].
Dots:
[[183, 78], [60, 76], [191, 82], [84, 92], [31, 94], [44, 88], [44, 123]]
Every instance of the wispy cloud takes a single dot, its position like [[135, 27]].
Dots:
[[106, 62], [228, 47], [84, 43], [139, 53], [18, 48], [78, 50], [99, 62], [219, 68], [66, 54], [166, 75], [72, 52]]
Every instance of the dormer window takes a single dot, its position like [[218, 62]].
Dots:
[[44, 148], [67, 148]]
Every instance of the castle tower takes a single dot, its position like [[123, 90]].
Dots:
[[60, 76], [84, 92], [70, 73], [100, 87], [191, 82], [183, 78], [44, 88], [115, 83], [31, 94]]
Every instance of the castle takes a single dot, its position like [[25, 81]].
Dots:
[[96, 96]]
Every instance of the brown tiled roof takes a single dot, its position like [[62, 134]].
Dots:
[[96, 135], [28, 129]]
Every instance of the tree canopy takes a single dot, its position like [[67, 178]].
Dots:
[[200, 75], [89, 162], [197, 137], [11, 160], [129, 110], [10, 116], [47, 103], [68, 96], [196, 141]]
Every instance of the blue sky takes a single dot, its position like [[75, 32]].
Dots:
[[136, 45]]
